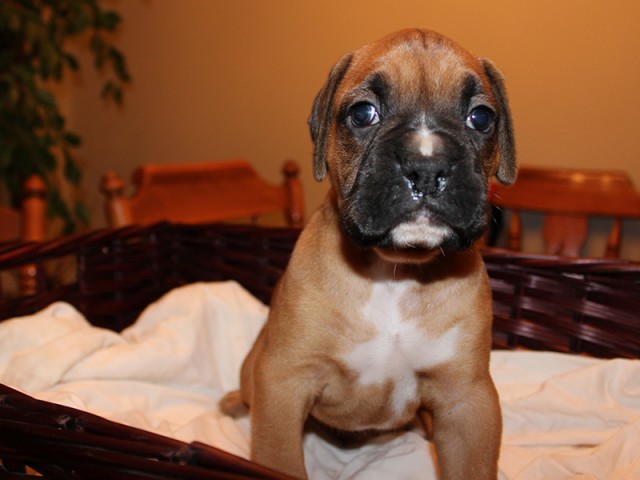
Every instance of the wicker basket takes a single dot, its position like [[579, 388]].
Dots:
[[575, 306]]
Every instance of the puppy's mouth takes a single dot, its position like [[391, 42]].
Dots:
[[420, 232], [407, 255], [414, 241]]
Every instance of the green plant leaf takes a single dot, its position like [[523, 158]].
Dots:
[[77, 22], [72, 139], [108, 20], [119, 64], [107, 87], [45, 97], [47, 159], [71, 170], [116, 94], [57, 207], [82, 212], [48, 141], [71, 62], [98, 48]]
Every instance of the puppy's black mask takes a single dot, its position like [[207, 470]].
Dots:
[[420, 160]]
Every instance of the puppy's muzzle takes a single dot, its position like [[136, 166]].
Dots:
[[417, 188], [427, 162]]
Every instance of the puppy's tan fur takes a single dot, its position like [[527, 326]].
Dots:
[[328, 317]]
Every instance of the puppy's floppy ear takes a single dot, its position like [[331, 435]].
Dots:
[[507, 168], [321, 114]]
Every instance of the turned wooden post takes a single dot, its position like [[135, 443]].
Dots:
[[515, 231], [614, 240], [32, 228], [117, 208], [291, 173]]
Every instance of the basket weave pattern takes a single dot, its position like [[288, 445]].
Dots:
[[575, 306]]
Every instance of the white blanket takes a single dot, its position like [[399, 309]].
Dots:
[[565, 417]]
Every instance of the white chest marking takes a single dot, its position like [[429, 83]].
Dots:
[[399, 347]]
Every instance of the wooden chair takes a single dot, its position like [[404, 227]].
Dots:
[[27, 224], [567, 198], [202, 192]]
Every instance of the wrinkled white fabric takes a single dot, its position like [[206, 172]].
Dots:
[[565, 416]]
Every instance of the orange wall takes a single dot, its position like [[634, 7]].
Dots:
[[215, 79]]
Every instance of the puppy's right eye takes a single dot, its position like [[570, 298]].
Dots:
[[480, 118], [363, 115]]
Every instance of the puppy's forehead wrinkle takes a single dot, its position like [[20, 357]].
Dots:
[[471, 86], [427, 71], [378, 85], [425, 81]]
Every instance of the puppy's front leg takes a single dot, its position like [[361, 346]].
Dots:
[[467, 430], [277, 423]]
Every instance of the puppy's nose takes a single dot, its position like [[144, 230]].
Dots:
[[425, 163], [427, 178]]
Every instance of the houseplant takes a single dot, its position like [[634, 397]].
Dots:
[[37, 38]]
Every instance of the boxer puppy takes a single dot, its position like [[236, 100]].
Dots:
[[385, 307]]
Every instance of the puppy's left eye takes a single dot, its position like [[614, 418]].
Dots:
[[364, 115], [480, 118]]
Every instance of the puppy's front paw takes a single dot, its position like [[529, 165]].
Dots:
[[232, 405]]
